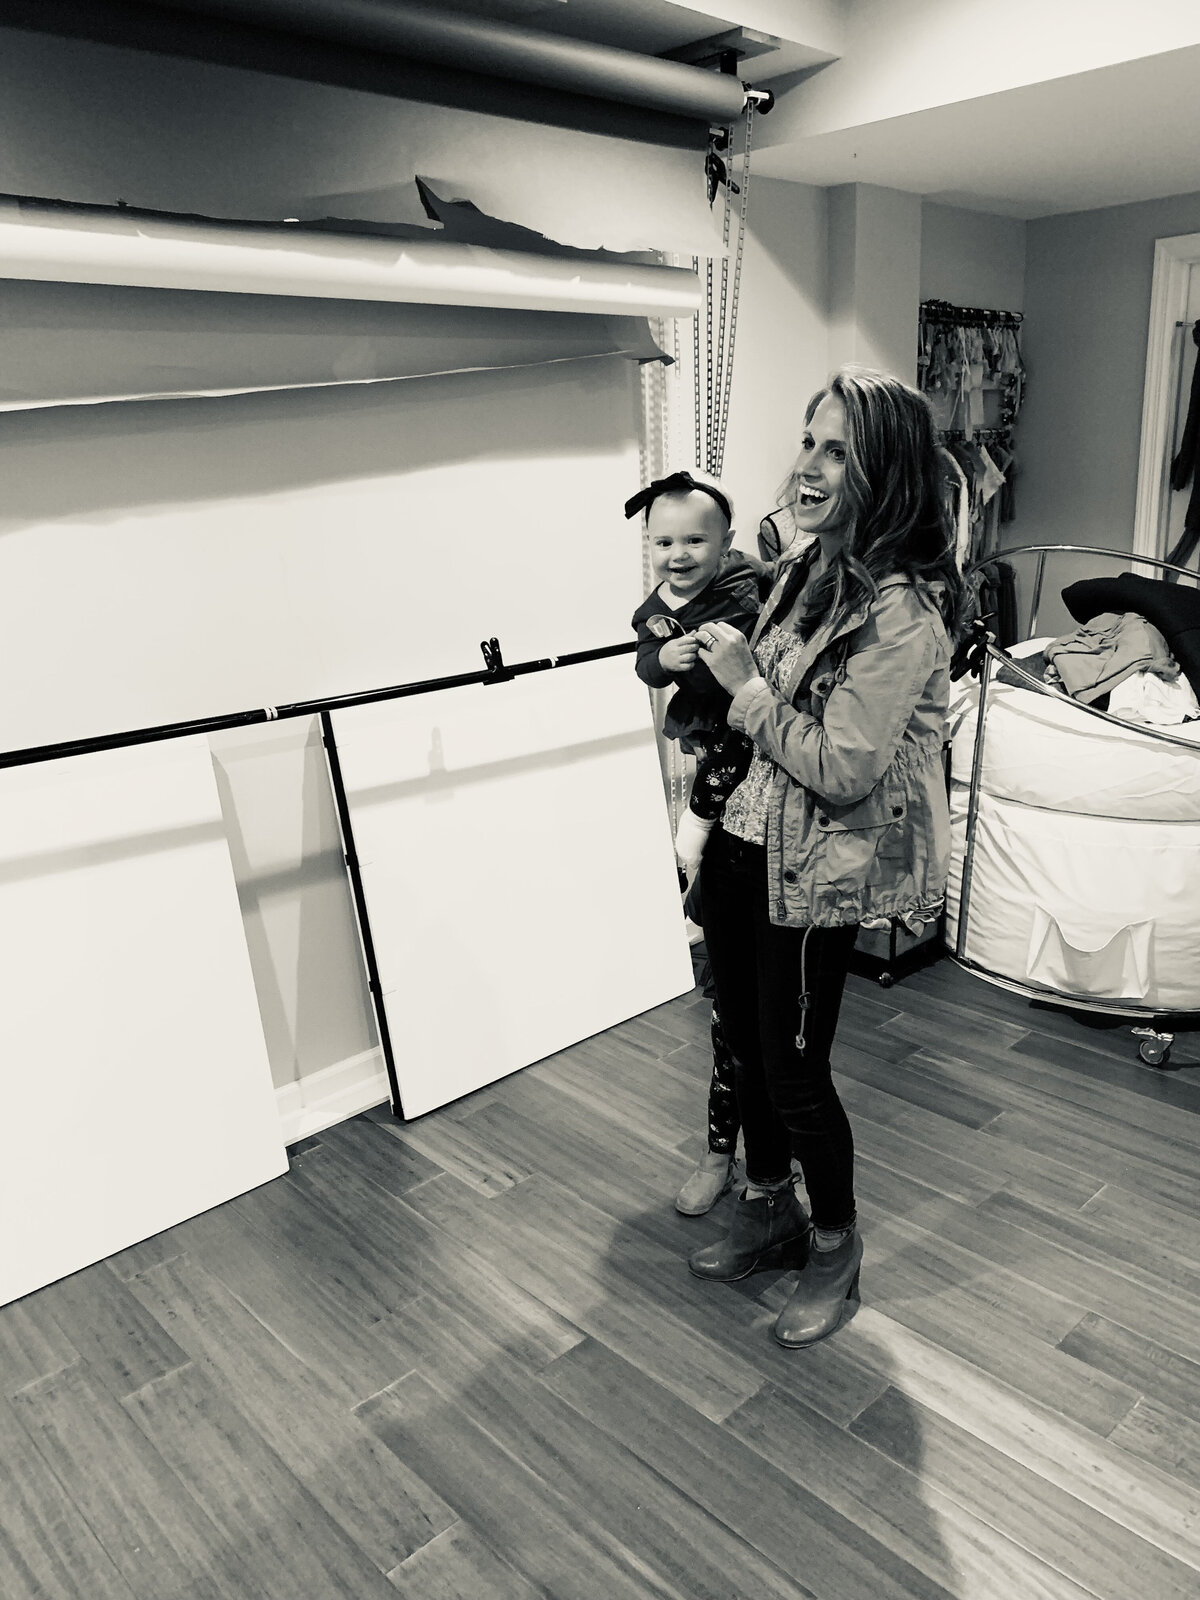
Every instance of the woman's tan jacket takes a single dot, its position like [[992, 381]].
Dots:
[[858, 824]]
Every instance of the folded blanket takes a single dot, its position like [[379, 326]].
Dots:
[[1091, 661], [1173, 608]]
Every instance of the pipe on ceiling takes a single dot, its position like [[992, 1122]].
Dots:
[[495, 49]]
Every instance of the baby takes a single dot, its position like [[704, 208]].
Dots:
[[689, 523]]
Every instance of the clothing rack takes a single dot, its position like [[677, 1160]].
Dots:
[[941, 312], [1002, 435], [495, 671]]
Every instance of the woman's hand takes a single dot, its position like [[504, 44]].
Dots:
[[724, 651]]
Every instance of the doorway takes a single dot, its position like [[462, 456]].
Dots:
[[1170, 362]]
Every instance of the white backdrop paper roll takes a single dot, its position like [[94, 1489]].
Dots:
[[72, 245]]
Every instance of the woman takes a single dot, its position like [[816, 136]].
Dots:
[[842, 816]]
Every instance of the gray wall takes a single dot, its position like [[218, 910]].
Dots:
[[782, 344], [1087, 309], [874, 278], [972, 258]]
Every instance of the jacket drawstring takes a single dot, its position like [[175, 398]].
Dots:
[[805, 997]]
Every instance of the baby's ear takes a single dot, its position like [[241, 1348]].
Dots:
[[727, 541]]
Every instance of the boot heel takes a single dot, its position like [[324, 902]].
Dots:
[[761, 1229], [818, 1303], [792, 1254]]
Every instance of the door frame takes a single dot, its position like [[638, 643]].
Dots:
[[1174, 259]]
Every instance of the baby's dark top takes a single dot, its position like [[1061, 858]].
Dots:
[[700, 704]]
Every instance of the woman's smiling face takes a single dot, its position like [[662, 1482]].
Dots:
[[819, 476]]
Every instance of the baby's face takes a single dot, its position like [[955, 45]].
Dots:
[[688, 537]]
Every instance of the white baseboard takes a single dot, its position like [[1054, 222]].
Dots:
[[331, 1095]]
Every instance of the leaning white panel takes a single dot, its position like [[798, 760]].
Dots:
[[137, 1091], [517, 867]]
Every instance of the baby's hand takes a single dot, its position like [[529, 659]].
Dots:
[[679, 655]]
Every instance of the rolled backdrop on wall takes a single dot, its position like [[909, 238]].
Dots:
[[84, 343], [101, 303], [90, 122]]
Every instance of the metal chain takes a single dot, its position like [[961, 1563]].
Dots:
[[647, 452], [674, 377], [723, 408], [716, 389], [653, 456], [696, 364], [709, 417]]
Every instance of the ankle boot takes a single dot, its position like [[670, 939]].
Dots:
[[713, 1177], [829, 1279], [763, 1229]]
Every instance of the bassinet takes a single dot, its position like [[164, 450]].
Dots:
[[1075, 867]]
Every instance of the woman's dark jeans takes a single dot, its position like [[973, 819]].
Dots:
[[779, 991]]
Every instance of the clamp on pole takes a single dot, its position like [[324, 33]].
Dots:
[[497, 672], [761, 99]]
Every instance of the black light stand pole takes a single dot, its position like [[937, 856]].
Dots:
[[350, 855], [496, 672]]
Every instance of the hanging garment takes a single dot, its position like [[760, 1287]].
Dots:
[[991, 483], [957, 494], [1185, 466], [1006, 461], [1012, 368], [995, 588], [974, 376], [1006, 605], [970, 458], [993, 479]]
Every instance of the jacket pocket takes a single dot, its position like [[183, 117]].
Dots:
[[864, 840]]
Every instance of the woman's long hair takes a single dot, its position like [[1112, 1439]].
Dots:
[[898, 519]]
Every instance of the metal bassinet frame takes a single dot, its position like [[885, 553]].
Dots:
[[1157, 1034]]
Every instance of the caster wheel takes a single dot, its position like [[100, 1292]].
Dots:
[[885, 980], [1153, 1053]]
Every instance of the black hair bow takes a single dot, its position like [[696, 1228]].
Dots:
[[676, 483]]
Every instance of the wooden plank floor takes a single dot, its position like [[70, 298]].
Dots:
[[462, 1359]]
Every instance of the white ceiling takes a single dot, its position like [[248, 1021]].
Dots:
[[1099, 138], [1104, 138]]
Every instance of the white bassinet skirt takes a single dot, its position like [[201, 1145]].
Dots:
[[1104, 908], [1086, 872]]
